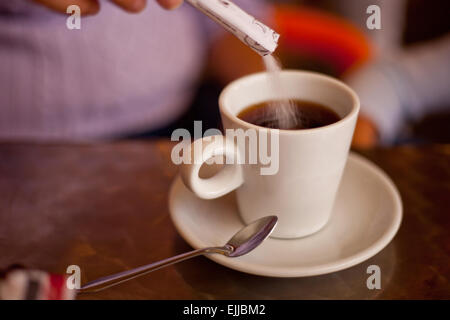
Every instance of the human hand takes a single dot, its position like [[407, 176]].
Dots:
[[89, 7], [366, 133]]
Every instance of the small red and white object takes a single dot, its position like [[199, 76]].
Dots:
[[26, 284]]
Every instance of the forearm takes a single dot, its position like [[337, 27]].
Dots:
[[404, 87], [426, 70]]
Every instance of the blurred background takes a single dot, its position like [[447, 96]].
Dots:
[[129, 76], [331, 36]]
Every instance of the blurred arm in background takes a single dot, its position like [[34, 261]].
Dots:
[[403, 87], [400, 84]]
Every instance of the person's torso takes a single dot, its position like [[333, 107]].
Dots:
[[118, 74]]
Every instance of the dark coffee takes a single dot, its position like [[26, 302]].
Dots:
[[307, 115]]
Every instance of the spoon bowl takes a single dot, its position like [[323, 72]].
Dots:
[[251, 236]]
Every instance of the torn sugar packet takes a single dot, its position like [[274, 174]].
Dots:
[[252, 32]]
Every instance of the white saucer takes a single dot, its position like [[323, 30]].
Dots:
[[366, 216]]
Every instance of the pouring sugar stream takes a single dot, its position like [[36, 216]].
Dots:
[[260, 38]]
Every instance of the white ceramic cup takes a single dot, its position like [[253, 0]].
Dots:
[[311, 161]]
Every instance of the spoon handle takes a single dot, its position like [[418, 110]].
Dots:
[[117, 278]]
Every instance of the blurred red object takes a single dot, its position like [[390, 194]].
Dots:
[[19, 283], [323, 36]]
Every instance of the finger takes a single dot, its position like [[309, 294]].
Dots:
[[133, 6], [170, 4], [87, 7]]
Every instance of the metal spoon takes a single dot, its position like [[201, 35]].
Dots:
[[244, 241]]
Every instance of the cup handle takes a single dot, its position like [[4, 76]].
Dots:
[[226, 180]]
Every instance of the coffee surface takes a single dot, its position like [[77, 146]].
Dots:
[[307, 115]]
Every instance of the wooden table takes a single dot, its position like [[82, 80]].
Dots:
[[104, 207]]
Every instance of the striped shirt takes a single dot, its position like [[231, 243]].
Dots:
[[119, 74]]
